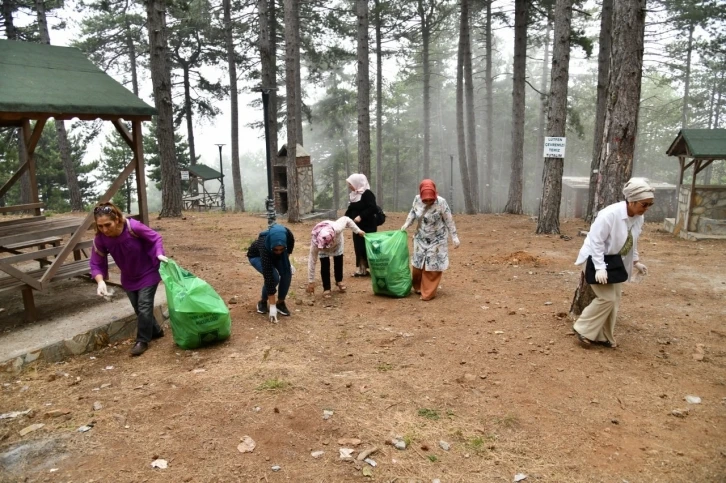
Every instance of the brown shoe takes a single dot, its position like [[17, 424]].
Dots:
[[139, 348]]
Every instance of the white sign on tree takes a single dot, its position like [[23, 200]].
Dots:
[[185, 175], [554, 147]]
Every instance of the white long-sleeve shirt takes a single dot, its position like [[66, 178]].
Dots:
[[608, 234], [336, 248]]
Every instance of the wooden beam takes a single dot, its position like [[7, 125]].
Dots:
[[138, 149], [29, 206], [31, 314], [692, 196], [682, 162], [46, 252], [22, 276], [31, 142], [704, 165], [76, 237], [13, 179], [34, 116], [28, 135], [123, 132], [689, 164]]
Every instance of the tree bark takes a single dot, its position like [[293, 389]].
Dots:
[[364, 88], [131, 50], [298, 80], [397, 171], [687, 80], [188, 113], [621, 121], [379, 104], [603, 73], [425, 41], [291, 23], [549, 208], [11, 33], [74, 190], [460, 126], [541, 127], [171, 192], [582, 298], [469, 107], [268, 64], [516, 181], [489, 82], [239, 200]]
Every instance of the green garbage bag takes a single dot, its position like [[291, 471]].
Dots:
[[198, 314], [388, 261]]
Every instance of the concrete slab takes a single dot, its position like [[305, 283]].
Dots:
[[74, 329]]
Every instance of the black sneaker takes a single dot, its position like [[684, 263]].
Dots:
[[158, 335], [282, 309], [262, 307]]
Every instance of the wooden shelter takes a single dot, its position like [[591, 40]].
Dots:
[[39, 82], [701, 208], [305, 184], [197, 195]]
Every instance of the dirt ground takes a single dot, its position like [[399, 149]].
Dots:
[[490, 367]]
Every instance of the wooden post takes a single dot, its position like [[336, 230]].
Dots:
[[138, 147], [692, 196], [31, 140], [31, 314]]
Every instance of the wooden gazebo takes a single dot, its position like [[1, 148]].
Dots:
[[39, 82], [197, 195], [701, 208]]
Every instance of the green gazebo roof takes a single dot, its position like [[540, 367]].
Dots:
[[700, 144], [38, 81], [204, 172]]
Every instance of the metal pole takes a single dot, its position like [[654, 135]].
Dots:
[[270, 201], [221, 178], [451, 188]]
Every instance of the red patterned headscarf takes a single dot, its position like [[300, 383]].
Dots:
[[427, 190]]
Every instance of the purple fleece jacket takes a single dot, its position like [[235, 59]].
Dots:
[[136, 256]]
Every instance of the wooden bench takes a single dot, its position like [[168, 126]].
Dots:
[[20, 221]]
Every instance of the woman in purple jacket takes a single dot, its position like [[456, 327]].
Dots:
[[138, 252]]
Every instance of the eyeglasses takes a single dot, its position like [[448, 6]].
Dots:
[[106, 209], [645, 205]]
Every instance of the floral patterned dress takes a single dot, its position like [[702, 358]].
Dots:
[[430, 246]]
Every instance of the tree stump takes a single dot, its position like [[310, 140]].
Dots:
[[583, 296]]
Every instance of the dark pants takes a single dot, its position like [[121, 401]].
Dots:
[[143, 303], [325, 270], [283, 285], [359, 245]]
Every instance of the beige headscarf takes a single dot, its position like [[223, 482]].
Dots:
[[637, 189], [360, 184]]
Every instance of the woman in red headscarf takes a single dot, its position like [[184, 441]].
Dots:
[[430, 243]]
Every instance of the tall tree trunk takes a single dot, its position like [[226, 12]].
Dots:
[[603, 74], [291, 23], [171, 192], [397, 172], [539, 152], [11, 33], [346, 147], [131, 51], [336, 184], [521, 16], [713, 120], [489, 82], [268, 64], [188, 114], [445, 174], [621, 121], [460, 126], [469, 107], [239, 199], [298, 80], [687, 80], [549, 208], [379, 104], [426, 41], [364, 88], [74, 190]]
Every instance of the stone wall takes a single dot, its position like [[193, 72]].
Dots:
[[709, 203]]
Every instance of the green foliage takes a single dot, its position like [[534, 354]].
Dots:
[[151, 153], [273, 384], [432, 414]]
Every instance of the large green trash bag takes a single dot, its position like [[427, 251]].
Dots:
[[388, 261], [198, 314]]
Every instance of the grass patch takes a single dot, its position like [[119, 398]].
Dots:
[[384, 367], [433, 458], [477, 444], [431, 414], [508, 421], [273, 384]]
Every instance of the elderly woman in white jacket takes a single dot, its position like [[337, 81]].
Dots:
[[615, 231]]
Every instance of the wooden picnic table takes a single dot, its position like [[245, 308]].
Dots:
[[38, 233]]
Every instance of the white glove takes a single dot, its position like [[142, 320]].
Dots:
[[641, 268], [101, 290], [403, 228], [292, 269], [457, 243], [601, 276], [162, 258], [273, 314]]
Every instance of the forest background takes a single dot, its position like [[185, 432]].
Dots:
[[413, 46]]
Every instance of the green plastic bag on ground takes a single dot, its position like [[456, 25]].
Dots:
[[388, 261], [198, 314]]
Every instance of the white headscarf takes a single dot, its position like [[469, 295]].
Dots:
[[637, 189], [359, 182]]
